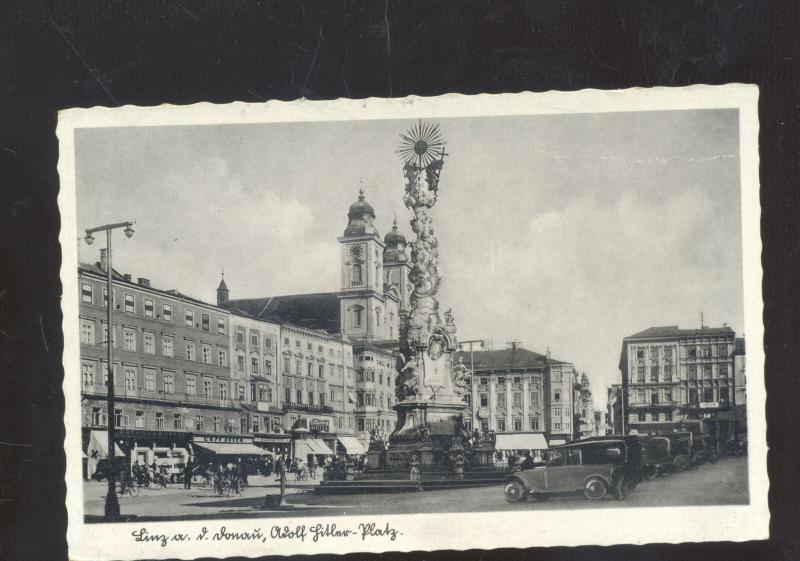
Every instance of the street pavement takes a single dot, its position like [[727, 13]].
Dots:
[[723, 483]]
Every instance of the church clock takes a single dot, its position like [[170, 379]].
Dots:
[[357, 251]]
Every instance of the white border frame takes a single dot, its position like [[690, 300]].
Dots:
[[551, 527]]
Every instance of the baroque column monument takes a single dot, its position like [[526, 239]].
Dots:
[[430, 387]]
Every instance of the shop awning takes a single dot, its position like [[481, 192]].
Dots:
[[351, 445], [318, 446], [98, 442], [521, 441], [233, 448]]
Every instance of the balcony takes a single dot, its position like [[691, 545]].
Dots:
[[307, 408]]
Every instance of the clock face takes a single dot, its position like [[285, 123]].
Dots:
[[356, 251]]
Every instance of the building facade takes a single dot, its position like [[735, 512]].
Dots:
[[172, 377], [519, 391], [675, 377]]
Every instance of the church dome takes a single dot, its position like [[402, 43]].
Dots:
[[360, 217]]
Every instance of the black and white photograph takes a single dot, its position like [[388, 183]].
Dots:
[[352, 322]]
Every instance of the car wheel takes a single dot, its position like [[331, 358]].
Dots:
[[595, 489], [515, 491], [622, 488], [651, 473], [681, 463]]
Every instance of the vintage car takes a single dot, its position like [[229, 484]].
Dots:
[[704, 449], [680, 450], [656, 457], [594, 466]]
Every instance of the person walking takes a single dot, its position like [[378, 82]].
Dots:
[[187, 474]]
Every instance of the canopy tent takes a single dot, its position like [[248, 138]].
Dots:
[[521, 441], [351, 445], [98, 445], [233, 448], [314, 446]]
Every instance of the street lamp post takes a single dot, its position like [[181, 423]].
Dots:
[[112, 501], [472, 372]]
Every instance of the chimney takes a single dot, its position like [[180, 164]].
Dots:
[[104, 258], [144, 282], [127, 277]]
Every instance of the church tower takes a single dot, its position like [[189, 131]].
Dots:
[[222, 291], [362, 300], [396, 266]]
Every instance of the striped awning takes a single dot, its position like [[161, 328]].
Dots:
[[233, 448], [351, 445], [318, 446]]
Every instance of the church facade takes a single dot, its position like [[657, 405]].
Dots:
[[363, 315]]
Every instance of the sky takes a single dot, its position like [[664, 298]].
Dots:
[[566, 232]]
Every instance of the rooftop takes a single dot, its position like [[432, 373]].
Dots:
[[507, 358], [318, 311], [675, 331]]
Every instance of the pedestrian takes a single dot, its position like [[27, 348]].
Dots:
[[414, 464], [187, 475], [245, 469], [312, 468]]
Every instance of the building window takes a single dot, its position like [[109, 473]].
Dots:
[[501, 400], [149, 380], [667, 372], [130, 379], [311, 398], [299, 394], [321, 370], [240, 362], [159, 420], [518, 400], [708, 395], [223, 390], [254, 365], [207, 391], [222, 357], [177, 421], [517, 424], [199, 423], [205, 322], [706, 371], [190, 350], [534, 398], [723, 350], [667, 352], [309, 369], [501, 424], [148, 308], [692, 372], [642, 416], [252, 392], [130, 339], [693, 400], [360, 399], [297, 343], [120, 420], [129, 303], [654, 373], [254, 341], [724, 395], [169, 383], [216, 423], [105, 335], [166, 312], [360, 423], [287, 395], [256, 423], [691, 353], [297, 367], [654, 397], [357, 275], [221, 326], [190, 385], [87, 332], [557, 396], [87, 374], [534, 420], [668, 416], [149, 343], [640, 374], [357, 310], [98, 418], [188, 317], [166, 345], [138, 419], [484, 400], [557, 412], [639, 353], [377, 317], [206, 350], [239, 337], [723, 370], [86, 292], [267, 367]]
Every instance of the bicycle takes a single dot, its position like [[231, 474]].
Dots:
[[132, 489]]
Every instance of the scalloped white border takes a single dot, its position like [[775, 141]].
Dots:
[[436, 531]]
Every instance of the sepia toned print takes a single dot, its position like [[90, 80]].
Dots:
[[336, 326]]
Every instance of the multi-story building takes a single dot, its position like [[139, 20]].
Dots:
[[675, 377], [519, 391], [172, 377], [363, 316], [739, 376]]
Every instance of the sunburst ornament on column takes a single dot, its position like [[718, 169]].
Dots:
[[421, 145]]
